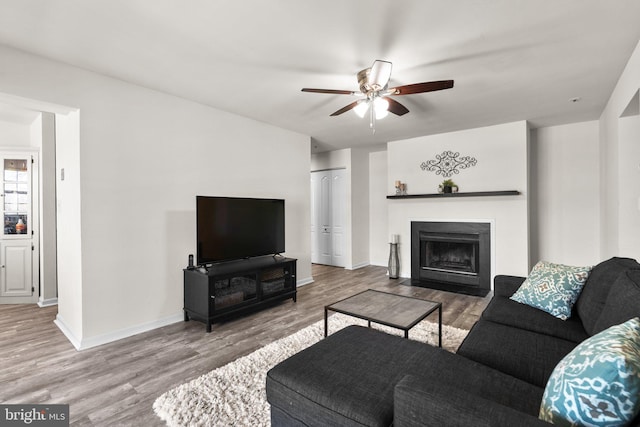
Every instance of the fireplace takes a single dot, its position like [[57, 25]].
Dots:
[[452, 256]]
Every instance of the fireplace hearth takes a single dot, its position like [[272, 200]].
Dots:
[[451, 256]]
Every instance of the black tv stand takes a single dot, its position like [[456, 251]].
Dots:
[[238, 287]]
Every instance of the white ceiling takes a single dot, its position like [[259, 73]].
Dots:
[[510, 59]]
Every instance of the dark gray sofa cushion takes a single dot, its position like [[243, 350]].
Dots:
[[349, 377], [623, 302], [505, 286], [280, 418], [440, 400], [480, 381], [511, 313], [523, 354], [596, 290]]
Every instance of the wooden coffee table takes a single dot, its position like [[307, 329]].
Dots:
[[397, 311]]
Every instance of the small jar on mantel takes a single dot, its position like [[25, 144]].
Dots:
[[398, 186]]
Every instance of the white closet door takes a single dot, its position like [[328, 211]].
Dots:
[[338, 217], [328, 217]]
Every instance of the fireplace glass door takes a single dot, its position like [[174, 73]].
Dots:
[[458, 257]]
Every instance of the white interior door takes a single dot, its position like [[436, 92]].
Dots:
[[338, 217], [321, 217], [327, 217], [17, 284]]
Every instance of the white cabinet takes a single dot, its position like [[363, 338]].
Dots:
[[16, 268]]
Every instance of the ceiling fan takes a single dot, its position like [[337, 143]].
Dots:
[[374, 86]]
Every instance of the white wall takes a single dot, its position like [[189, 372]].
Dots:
[[14, 134], [629, 185], [360, 207], [501, 153], [48, 257], [564, 202], [71, 303], [142, 156], [620, 171], [338, 159], [378, 206]]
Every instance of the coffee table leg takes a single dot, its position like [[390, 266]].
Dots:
[[440, 326], [325, 322]]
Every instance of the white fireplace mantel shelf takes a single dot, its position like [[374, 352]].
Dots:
[[467, 194]]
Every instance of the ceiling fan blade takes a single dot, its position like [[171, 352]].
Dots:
[[347, 108], [421, 87], [379, 74], [331, 91], [396, 108]]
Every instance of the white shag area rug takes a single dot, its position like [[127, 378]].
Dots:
[[234, 394]]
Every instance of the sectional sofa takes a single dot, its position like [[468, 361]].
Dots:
[[359, 376]]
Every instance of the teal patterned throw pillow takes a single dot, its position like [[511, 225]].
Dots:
[[553, 288], [598, 383]]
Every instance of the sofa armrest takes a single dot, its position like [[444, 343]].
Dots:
[[418, 402], [505, 286]]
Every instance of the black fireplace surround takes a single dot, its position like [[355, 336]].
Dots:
[[451, 256]]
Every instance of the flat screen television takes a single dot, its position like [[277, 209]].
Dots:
[[230, 228]]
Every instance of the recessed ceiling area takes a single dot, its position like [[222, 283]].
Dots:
[[511, 60]]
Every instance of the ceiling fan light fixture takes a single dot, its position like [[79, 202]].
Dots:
[[381, 114], [361, 108], [381, 108]]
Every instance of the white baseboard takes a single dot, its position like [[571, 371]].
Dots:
[[48, 302], [357, 266], [90, 342], [18, 300], [59, 322], [305, 281], [85, 343]]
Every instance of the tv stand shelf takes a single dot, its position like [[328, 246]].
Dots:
[[237, 287]]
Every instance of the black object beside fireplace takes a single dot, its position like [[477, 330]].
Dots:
[[451, 256]]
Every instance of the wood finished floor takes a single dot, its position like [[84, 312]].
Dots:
[[117, 383]]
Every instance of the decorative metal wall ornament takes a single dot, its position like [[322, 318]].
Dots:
[[448, 163]]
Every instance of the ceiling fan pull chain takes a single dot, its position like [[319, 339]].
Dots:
[[372, 118]]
